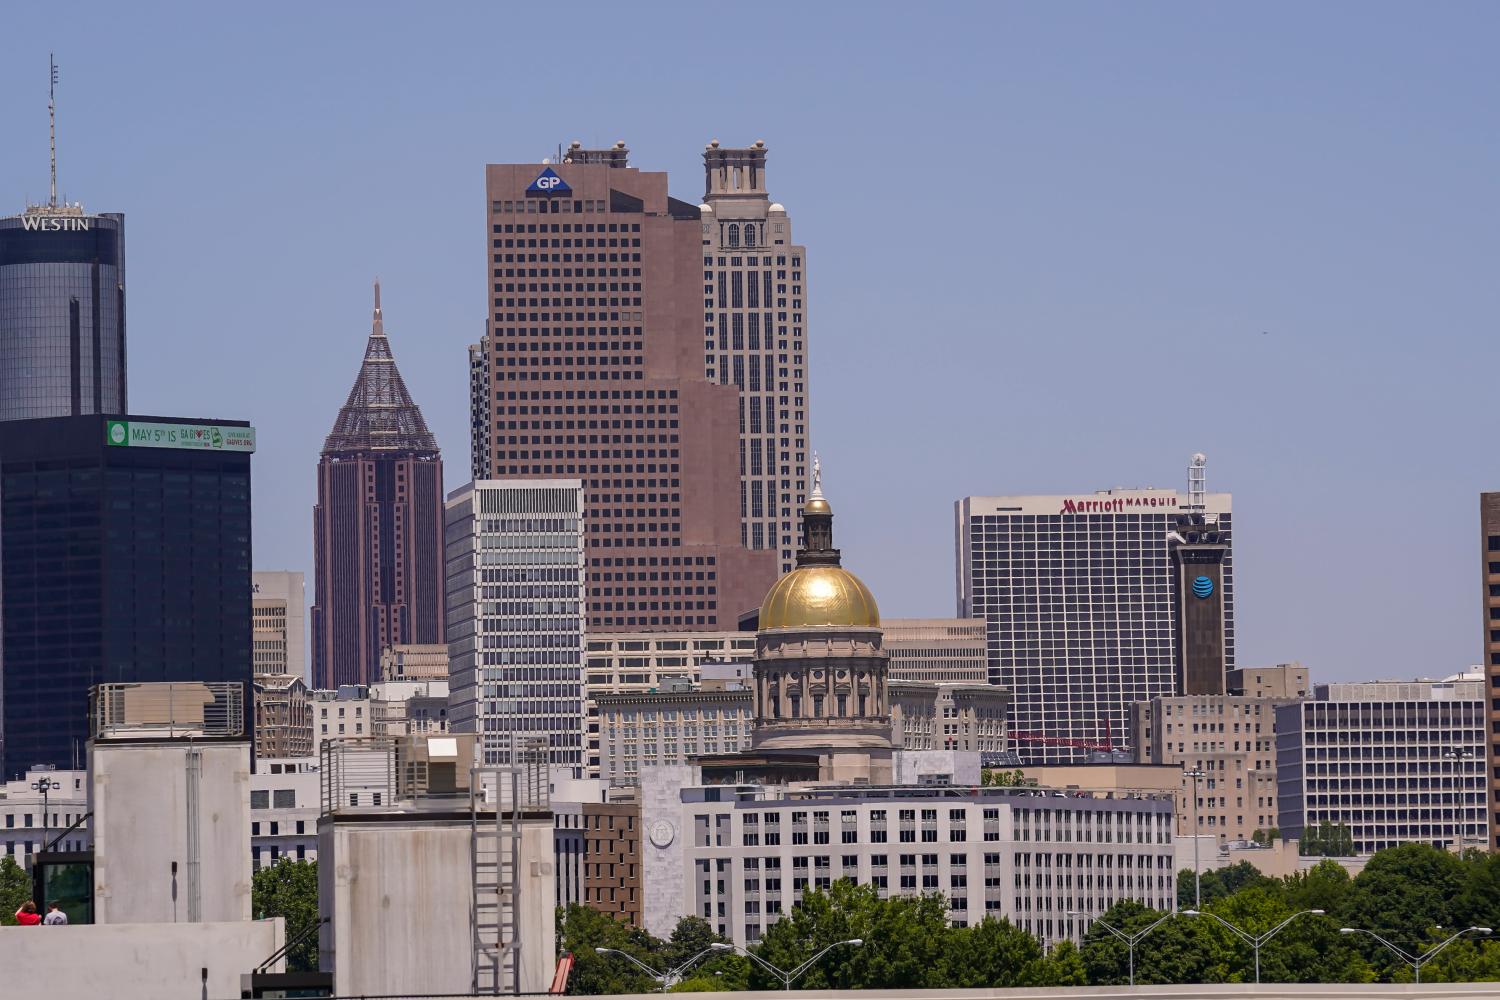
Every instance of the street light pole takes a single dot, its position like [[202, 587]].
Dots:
[[1416, 962], [787, 978], [1131, 940], [45, 785], [672, 976], [1195, 774], [1458, 755], [1255, 941]]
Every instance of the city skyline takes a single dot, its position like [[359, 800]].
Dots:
[[1193, 234]]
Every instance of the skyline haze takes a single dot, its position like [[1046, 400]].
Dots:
[[1056, 252]]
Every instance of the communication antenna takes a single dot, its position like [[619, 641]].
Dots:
[[1197, 483], [52, 125]]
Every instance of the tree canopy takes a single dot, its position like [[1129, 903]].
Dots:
[[1414, 895], [289, 889]]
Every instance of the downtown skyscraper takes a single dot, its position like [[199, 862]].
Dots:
[[377, 526], [1079, 605], [595, 367], [755, 338], [62, 308], [515, 588]]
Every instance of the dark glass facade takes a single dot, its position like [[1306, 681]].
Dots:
[[62, 315], [117, 564]]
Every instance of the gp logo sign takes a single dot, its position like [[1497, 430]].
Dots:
[[548, 183]]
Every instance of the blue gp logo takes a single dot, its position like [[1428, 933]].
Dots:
[[1203, 587], [547, 182]]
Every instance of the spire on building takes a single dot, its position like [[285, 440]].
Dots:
[[379, 414]]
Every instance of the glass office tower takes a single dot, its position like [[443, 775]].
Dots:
[[62, 313], [124, 556]]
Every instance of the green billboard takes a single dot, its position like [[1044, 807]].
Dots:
[[197, 437]]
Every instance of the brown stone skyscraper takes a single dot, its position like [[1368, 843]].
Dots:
[[593, 368], [377, 527]]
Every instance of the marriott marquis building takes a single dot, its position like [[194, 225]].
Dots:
[[1076, 595]]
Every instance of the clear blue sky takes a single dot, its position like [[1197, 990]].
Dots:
[[1045, 241]]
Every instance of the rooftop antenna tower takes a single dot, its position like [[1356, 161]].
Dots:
[[1197, 483], [52, 125]]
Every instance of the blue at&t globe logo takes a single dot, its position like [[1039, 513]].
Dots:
[[1203, 587]]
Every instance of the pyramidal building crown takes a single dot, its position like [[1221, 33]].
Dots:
[[379, 414]]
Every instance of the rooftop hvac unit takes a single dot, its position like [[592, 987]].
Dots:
[[435, 765]]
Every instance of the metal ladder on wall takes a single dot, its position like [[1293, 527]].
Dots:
[[495, 856]]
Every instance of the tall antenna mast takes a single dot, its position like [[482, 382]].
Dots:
[[1197, 483], [52, 125]]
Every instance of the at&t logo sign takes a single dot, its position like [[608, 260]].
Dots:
[[1203, 588]]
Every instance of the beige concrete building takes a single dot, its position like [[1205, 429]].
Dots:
[[640, 662], [1231, 740], [670, 725], [949, 716], [936, 650], [278, 610], [414, 662], [1285, 681], [341, 713], [283, 716]]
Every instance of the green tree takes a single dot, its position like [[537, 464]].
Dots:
[[692, 936], [1324, 886], [289, 889], [1218, 882], [1003, 779], [1333, 840], [1309, 950], [1403, 892], [906, 940], [994, 953], [1265, 837], [15, 889], [1063, 966], [580, 930]]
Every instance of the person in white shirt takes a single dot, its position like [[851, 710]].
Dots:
[[55, 916]]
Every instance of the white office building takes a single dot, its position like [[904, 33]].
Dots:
[[513, 551], [284, 808], [1076, 595], [742, 856], [1395, 761], [25, 827]]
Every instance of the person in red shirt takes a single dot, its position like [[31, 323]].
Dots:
[[27, 916]]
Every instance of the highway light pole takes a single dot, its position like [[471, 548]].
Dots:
[[671, 977], [1416, 961], [787, 978], [1195, 774], [1458, 755], [1254, 940], [1131, 940]]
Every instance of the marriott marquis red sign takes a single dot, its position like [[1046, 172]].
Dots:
[[1114, 505]]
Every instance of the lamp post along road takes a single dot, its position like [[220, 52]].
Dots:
[[1458, 755], [671, 977], [1131, 940], [1416, 961], [787, 978], [1195, 774], [1255, 941]]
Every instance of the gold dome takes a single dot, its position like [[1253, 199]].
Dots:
[[816, 505], [819, 596]]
